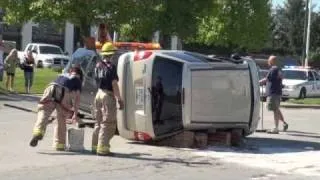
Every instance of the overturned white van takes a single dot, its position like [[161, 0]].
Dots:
[[166, 92]]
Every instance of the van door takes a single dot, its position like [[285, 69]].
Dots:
[[166, 96]]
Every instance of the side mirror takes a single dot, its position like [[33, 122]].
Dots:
[[66, 53], [34, 51]]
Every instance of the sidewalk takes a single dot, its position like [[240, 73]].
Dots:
[[299, 106], [19, 97]]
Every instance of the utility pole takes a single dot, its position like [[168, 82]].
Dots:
[[305, 32], [308, 34]]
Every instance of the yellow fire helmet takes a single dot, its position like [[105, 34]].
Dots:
[[107, 49]]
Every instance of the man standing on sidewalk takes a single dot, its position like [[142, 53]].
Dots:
[[273, 82]]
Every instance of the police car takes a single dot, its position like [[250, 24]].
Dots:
[[300, 82]]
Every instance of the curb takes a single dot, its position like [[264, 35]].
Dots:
[[300, 106]]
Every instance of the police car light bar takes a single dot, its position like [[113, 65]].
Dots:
[[297, 67]]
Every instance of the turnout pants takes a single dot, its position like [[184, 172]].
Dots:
[[45, 108], [106, 121]]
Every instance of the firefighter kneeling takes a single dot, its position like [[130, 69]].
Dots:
[[58, 96], [105, 101]]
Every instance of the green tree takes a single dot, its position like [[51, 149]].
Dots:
[[82, 13], [179, 17], [240, 23], [289, 29]]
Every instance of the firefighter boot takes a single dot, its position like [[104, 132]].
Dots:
[[37, 135], [35, 139]]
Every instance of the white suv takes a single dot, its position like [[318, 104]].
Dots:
[[46, 55], [300, 82]]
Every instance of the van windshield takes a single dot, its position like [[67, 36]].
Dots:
[[81, 58]]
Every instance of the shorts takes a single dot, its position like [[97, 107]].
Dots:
[[10, 74], [273, 102]]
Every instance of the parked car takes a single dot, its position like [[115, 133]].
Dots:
[[46, 55], [200, 93], [300, 82]]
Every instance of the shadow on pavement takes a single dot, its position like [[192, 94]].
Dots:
[[19, 97], [135, 156]]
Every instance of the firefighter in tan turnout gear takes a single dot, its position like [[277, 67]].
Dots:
[[105, 101], [62, 95]]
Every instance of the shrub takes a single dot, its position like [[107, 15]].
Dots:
[[57, 69]]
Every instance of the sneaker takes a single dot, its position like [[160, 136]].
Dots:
[[285, 127], [34, 140], [273, 131]]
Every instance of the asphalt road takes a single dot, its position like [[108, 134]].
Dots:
[[293, 155]]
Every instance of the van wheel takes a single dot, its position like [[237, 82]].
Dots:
[[303, 93]]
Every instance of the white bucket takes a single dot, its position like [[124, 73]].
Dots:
[[75, 139]]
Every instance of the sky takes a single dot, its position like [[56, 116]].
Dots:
[[275, 3]]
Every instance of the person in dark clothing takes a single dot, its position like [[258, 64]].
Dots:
[[62, 95], [158, 95], [28, 68], [105, 102], [273, 82]]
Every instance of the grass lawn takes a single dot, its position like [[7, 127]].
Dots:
[[41, 79], [314, 101]]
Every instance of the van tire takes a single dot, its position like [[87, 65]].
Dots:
[[303, 93]]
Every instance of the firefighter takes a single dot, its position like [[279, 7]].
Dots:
[[105, 101], [59, 96]]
